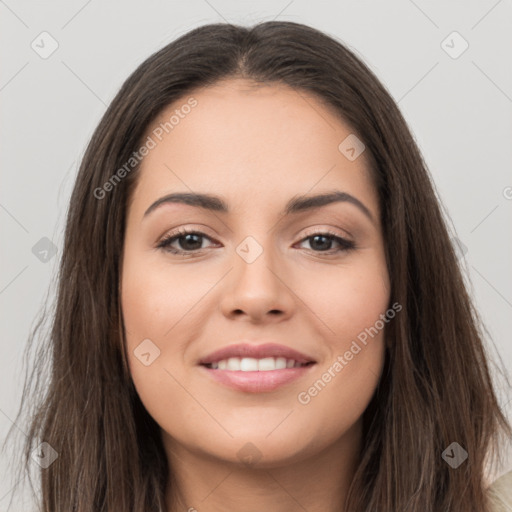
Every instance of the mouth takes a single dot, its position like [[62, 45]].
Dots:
[[256, 375], [250, 364], [249, 357]]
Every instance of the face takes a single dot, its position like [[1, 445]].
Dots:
[[309, 279]]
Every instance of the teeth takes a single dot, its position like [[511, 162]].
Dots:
[[266, 364], [247, 364], [234, 364], [250, 364], [280, 363]]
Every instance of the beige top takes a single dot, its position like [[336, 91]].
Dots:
[[500, 493]]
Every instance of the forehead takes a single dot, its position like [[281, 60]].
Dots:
[[251, 139]]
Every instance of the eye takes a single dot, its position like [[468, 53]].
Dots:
[[190, 242], [323, 242]]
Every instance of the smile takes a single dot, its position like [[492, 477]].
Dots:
[[246, 374], [250, 364]]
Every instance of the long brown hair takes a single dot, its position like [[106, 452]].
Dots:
[[436, 387]]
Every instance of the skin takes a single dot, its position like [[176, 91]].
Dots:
[[256, 147]]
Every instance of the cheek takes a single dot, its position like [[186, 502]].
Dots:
[[156, 296], [348, 300], [150, 308], [354, 312], [149, 304], [160, 303]]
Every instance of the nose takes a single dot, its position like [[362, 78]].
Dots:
[[259, 290]]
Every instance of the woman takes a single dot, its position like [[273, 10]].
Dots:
[[259, 306]]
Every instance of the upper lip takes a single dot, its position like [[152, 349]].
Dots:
[[257, 352]]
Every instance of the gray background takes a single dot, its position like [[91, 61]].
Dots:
[[459, 110]]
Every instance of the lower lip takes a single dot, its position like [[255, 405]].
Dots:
[[258, 382]]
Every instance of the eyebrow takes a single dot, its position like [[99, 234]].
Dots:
[[295, 205]]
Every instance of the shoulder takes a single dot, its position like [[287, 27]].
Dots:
[[500, 493]]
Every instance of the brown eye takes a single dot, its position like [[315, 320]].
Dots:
[[322, 243], [188, 241]]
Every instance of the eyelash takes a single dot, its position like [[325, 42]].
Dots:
[[164, 244]]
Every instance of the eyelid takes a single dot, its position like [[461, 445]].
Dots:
[[328, 230], [345, 244], [199, 228], [181, 232]]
